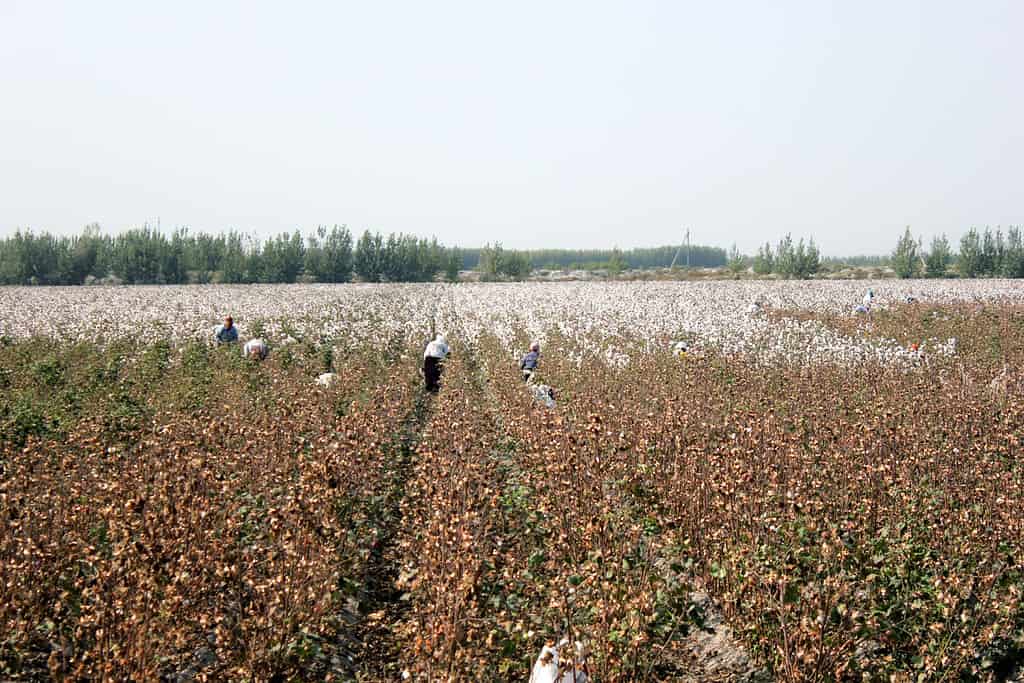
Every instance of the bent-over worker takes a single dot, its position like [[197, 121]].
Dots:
[[544, 394], [255, 349], [433, 361]]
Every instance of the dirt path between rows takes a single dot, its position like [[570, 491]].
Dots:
[[375, 652]]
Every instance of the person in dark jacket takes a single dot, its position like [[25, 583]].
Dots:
[[528, 365], [433, 362]]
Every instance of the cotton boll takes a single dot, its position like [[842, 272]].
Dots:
[[327, 379]]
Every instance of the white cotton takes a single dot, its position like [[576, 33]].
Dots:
[[327, 379], [580, 324]]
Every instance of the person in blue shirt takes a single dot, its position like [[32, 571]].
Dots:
[[226, 333], [528, 365]]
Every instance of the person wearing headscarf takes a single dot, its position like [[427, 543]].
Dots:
[[256, 349], [529, 362], [433, 363]]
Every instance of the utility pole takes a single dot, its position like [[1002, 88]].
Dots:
[[676, 257]]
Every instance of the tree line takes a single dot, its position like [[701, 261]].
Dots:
[[589, 259], [148, 256], [985, 253]]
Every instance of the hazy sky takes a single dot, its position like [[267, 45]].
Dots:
[[538, 124]]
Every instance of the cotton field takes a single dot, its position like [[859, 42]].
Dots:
[[714, 481], [608, 322]]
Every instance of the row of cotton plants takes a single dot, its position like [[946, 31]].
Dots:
[[607, 321], [613, 321]]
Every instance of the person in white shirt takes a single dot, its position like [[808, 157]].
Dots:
[[433, 362], [542, 393], [255, 349]]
